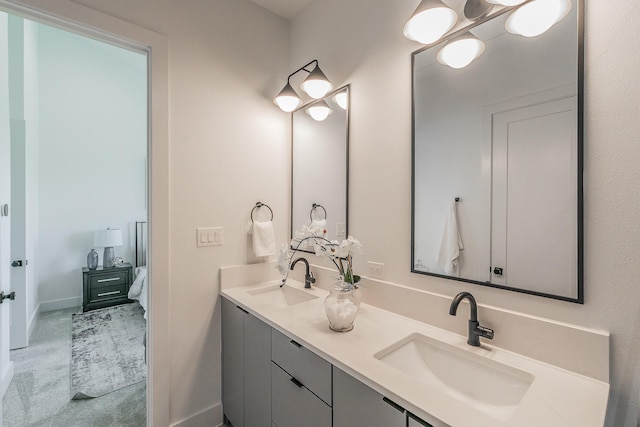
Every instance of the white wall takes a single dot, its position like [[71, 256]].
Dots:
[[374, 57], [229, 148], [93, 140]]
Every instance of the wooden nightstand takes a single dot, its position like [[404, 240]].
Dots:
[[104, 287]]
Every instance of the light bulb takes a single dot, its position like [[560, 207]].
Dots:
[[536, 17], [319, 111], [431, 20], [316, 85], [460, 52], [287, 99], [341, 99]]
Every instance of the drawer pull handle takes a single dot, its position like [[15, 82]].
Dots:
[[108, 293], [296, 382], [108, 280], [296, 344], [393, 404]]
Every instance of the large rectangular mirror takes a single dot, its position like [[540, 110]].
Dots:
[[497, 161], [320, 164]]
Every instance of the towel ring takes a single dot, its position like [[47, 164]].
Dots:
[[313, 208], [258, 206]]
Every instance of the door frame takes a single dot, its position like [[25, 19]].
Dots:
[[88, 22]]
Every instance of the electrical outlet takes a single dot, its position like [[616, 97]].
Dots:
[[376, 270], [341, 229], [211, 236]]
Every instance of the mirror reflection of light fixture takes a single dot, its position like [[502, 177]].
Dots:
[[341, 99], [430, 21], [319, 111], [537, 16], [316, 85], [461, 51]]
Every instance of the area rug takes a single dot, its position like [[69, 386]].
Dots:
[[107, 350]]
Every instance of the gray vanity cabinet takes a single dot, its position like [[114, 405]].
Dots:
[[246, 368], [414, 421], [301, 385], [357, 405]]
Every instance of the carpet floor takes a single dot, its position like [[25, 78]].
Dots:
[[38, 396]]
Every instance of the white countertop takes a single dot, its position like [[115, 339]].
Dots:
[[556, 398]]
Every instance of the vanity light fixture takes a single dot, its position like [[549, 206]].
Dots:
[[319, 111], [461, 51], [537, 16], [316, 85], [430, 21], [341, 99]]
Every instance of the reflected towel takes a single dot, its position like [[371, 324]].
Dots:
[[450, 243], [318, 227], [264, 238]]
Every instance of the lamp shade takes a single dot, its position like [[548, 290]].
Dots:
[[536, 17], [319, 111], [316, 85], [107, 238], [430, 21], [461, 52], [287, 99], [341, 99]]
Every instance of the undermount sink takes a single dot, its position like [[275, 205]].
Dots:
[[281, 297], [487, 385]]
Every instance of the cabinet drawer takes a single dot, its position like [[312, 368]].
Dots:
[[293, 405], [108, 292], [111, 279], [307, 367]]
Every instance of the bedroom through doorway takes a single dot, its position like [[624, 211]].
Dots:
[[78, 133]]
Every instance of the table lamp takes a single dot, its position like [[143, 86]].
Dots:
[[108, 239]]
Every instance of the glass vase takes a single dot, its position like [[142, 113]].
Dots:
[[341, 307], [92, 260]]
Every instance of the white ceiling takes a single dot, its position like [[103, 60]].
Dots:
[[284, 8]]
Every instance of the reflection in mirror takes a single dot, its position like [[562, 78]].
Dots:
[[319, 170], [503, 135]]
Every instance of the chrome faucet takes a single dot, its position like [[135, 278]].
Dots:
[[308, 276], [475, 330]]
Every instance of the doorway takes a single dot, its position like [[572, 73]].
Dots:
[[79, 135]]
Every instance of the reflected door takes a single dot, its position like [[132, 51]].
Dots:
[[534, 197]]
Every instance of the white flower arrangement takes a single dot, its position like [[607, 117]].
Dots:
[[339, 253]]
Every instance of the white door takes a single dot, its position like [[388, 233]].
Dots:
[[5, 187], [534, 199]]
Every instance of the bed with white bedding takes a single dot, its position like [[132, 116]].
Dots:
[[139, 290]]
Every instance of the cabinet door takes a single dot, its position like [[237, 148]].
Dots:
[[232, 362], [293, 405], [257, 372], [357, 405], [414, 421]]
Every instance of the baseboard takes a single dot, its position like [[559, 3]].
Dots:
[[60, 304], [7, 376], [211, 416], [32, 321]]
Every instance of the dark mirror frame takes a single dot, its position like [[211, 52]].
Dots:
[[346, 87], [579, 299]]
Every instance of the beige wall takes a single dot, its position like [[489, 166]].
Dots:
[[361, 42]]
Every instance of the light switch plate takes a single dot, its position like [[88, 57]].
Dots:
[[209, 236], [341, 229]]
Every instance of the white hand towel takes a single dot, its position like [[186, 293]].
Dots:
[[450, 243], [264, 238], [319, 228]]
